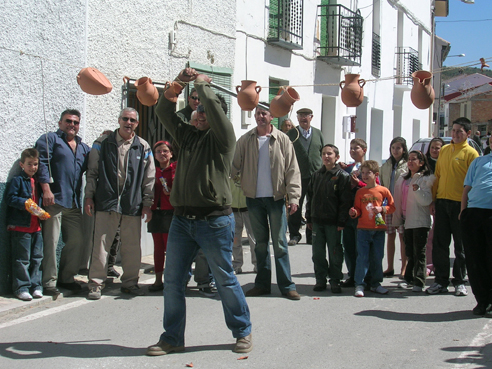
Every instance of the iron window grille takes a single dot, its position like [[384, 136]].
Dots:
[[285, 23], [376, 55], [407, 62], [340, 35]]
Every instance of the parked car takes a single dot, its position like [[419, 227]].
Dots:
[[422, 144]]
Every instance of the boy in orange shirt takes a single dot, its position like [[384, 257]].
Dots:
[[371, 202]]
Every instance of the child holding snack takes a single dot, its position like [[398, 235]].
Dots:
[[23, 223], [368, 207]]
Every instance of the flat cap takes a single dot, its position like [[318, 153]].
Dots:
[[305, 111]]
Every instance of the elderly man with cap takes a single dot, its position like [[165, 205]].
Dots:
[[308, 143]]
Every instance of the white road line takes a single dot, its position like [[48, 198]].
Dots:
[[467, 358], [47, 312]]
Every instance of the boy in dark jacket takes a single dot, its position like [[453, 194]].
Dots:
[[329, 199], [25, 236]]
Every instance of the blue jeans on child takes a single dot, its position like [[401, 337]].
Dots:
[[27, 254], [214, 236], [370, 253]]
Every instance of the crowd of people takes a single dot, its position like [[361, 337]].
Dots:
[[197, 193]]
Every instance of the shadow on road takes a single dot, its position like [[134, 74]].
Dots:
[[450, 316], [479, 356], [76, 349]]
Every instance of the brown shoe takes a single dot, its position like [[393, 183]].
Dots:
[[257, 291], [163, 348], [292, 295], [244, 344]]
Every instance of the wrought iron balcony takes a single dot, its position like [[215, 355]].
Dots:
[[376, 55], [407, 62], [285, 27], [340, 35]]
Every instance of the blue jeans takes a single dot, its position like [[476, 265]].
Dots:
[[370, 253], [262, 212], [27, 254], [214, 236]]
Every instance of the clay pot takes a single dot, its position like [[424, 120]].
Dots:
[[93, 82], [173, 91], [353, 91], [147, 93], [282, 103], [422, 94], [249, 95]]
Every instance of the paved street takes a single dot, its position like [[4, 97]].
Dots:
[[400, 330]]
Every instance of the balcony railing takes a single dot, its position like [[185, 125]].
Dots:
[[285, 28], [339, 34], [376, 55], [407, 62]]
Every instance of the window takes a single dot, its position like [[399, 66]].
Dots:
[[285, 23], [340, 35]]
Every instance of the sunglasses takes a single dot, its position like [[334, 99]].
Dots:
[[126, 119], [195, 97], [75, 122]]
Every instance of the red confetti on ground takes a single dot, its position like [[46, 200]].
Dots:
[[190, 365], [243, 358], [315, 298]]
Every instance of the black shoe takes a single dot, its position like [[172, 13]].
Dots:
[[257, 291], [349, 283], [51, 291], [389, 273], [335, 288], [74, 286], [480, 309], [156, 287], [112, 272], [309, 241], [319, 286]]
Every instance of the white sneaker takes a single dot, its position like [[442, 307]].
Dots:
[[379, 289], [460, 290], [359, 291], [405, 285], [37, 294], [24, 296], [94, 293]]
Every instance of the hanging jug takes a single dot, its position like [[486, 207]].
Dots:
[[352, 90], [248, 95], [147, 93], [282, 103], [422, 94], [173, 90]]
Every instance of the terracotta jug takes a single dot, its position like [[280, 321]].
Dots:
[[147, 93], [93, 82], [422, 94], [249, 95], [173, 90], [282, 103], [353, 91]]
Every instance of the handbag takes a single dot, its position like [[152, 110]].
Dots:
[[161, 221]]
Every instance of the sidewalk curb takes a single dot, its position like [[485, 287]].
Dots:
[[11, 305]]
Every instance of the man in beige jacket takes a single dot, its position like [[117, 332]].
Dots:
[[267, 164]]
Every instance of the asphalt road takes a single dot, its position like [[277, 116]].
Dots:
[[322, 330]]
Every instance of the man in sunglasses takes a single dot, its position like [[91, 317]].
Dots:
[[203, 217], [63, 160], [193, 102], [120, 192]]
